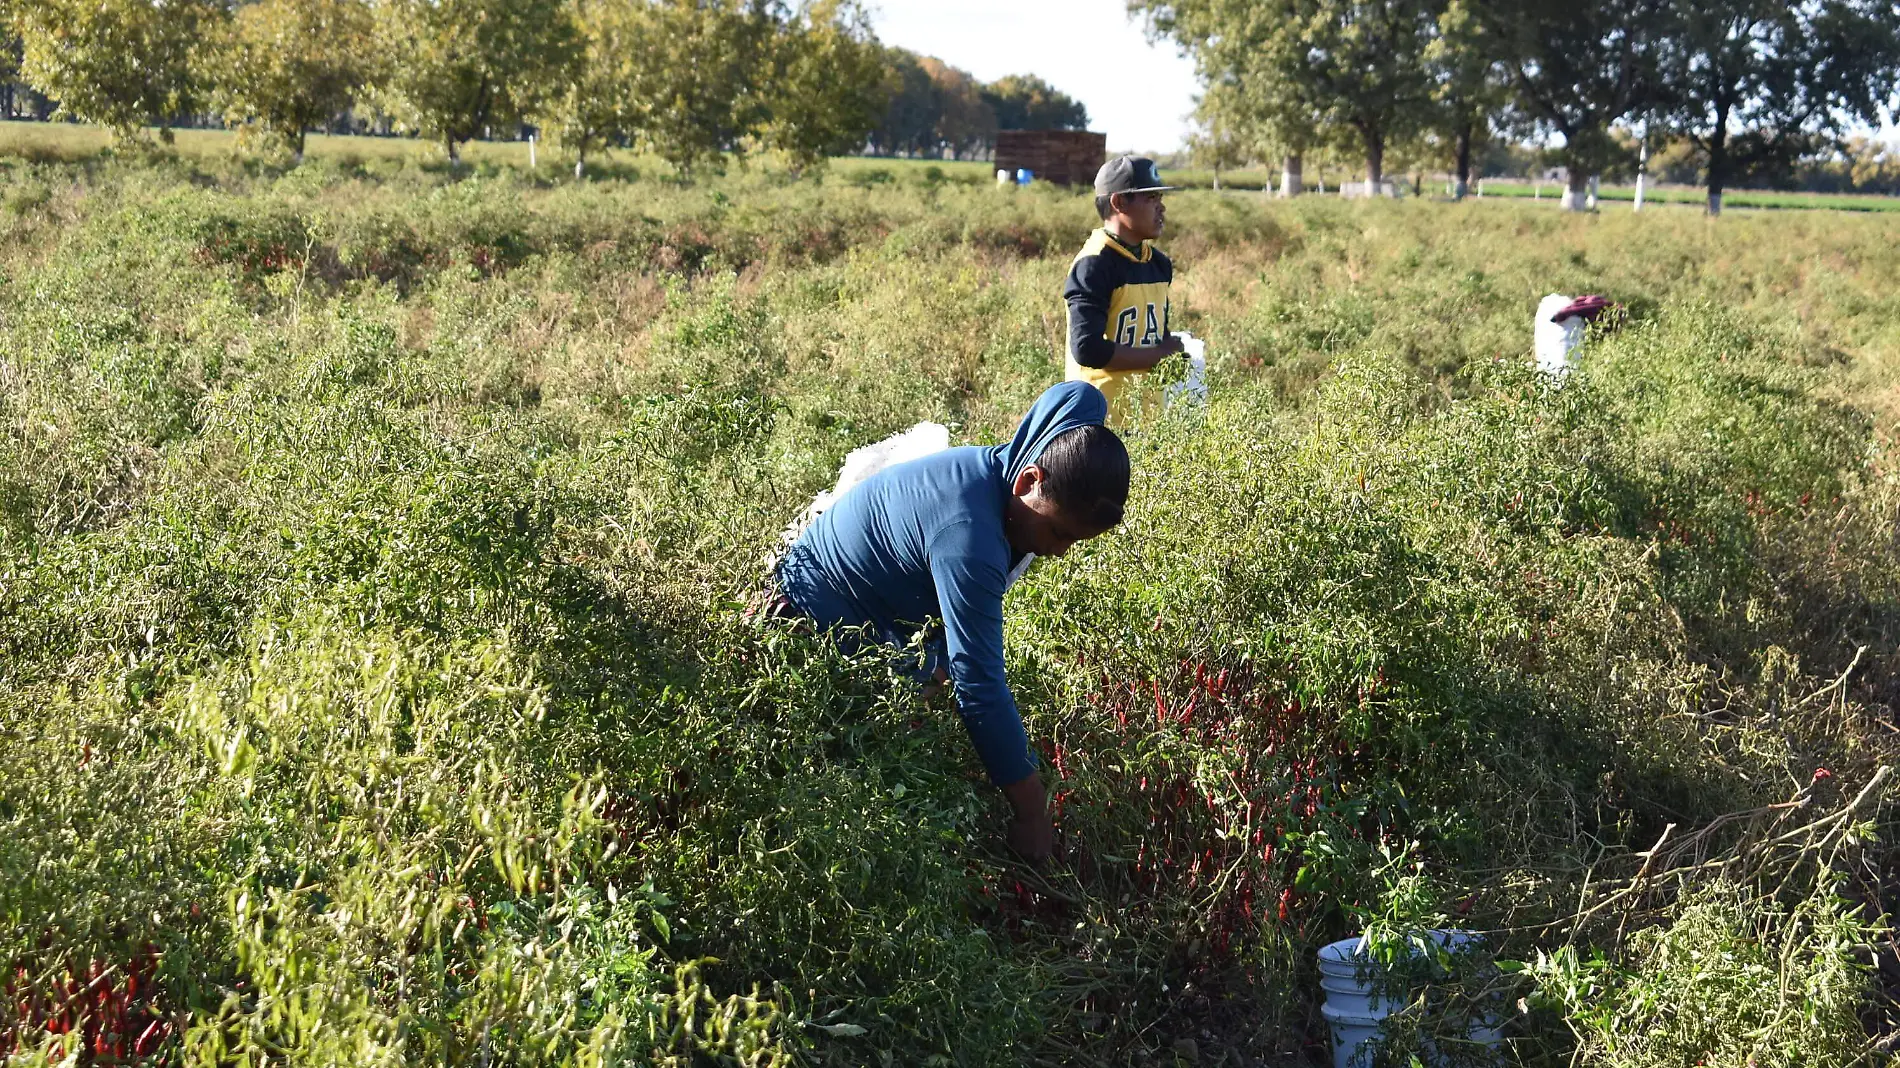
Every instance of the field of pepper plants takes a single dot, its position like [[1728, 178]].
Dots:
[[375, 686]]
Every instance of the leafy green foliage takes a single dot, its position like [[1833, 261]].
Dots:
[[376, 684], [79, 53], [1793, 79], [823, 84], [458, 68], [1309, 70], [1026, 102], [1730, 980], [289, 65]]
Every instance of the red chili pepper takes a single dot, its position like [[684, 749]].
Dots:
[[149, 1040], [1286, 899]]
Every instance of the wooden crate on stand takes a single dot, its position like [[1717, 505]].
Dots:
[[1069, 157]]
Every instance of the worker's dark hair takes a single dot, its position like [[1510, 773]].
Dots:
[[1105, 205], [1087, 475]]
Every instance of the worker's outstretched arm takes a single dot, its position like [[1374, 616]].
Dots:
[[1130, 358], [1030, 833], [970, 597]]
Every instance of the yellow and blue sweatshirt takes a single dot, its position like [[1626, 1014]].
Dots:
[[1116, 294]]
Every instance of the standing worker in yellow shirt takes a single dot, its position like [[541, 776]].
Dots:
[[1117, 289]]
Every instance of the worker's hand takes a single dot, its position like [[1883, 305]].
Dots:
[[938, 685], [1031, 834], [1033, 838], [1130, 358]]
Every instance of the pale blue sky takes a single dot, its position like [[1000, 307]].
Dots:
[[1137, 93]]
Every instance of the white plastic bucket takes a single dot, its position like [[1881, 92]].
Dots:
[[1348, 996], [1355, 1037], [1355, 1009]]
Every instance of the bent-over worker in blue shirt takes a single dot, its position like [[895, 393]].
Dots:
[[939, 537]]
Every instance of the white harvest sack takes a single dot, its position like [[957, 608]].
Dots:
[[1556, 343], [1191, 390], [863, 462], [867, 460]]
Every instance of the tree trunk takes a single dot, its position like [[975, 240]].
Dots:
[[580, 161], [1375, 164], [1464, 161], [1290, 175], [1217, 178], [1718, 159], [1578, 192], [455, 152], [296, 149]]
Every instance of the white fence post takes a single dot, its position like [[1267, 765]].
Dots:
[[1642, 170]]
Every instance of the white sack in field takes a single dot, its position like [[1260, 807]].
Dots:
[[917, 442], [1192, 389], [1556, 343], [865, 461]]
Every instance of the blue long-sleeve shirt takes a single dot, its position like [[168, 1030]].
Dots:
[[925, 539]]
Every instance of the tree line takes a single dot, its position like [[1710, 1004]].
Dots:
[[1750, 86], [694, 81]]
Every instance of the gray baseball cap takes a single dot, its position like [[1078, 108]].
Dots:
[[1129, 174]]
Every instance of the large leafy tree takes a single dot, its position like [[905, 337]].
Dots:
[[1225, 137], [1342, 69], [9, 57], [908, 122], [1577, 69], [1759, 84], [1237, 97], [118, 63], [458, 67], [697, 82], [1026, 102], [288, 65], [1468, 91], [695, 88], [965, 124], [595, 106], [927, 106], [824, 84]]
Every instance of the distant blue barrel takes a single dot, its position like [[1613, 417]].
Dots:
[[1024, 175]]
